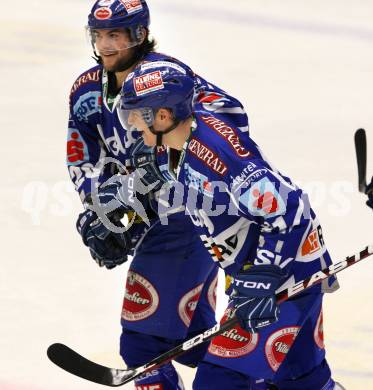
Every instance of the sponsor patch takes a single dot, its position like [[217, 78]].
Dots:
[[262, 199], [148, 83], [233, 343], [198, 181], [228, 133], [318, 333], [87, 104], [103, 13], [207, 156], [159, 64], [89, 77], [132, 5], [188, 304], [77, 150], [278, 345], [141, 299], [249, 174], [313, 243]]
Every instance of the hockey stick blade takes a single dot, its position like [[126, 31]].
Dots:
[[361, 156], [70, 361], [75, 364]]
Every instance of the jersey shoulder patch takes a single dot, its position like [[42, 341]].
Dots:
[[224, 133], [91, 76]]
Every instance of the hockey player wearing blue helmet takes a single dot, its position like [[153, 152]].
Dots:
[[170, 289], [256, 223]]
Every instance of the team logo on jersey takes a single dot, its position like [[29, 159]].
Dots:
[[228, 133], [211, 293], [188, 304], [132, 5], [233, 343], [141, 299], [278, 345], [102, 13], [262, 199], [148, 83], [207, 156], [318, 333], [77, 150], [87, 104]]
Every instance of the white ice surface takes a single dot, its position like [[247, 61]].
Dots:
[[303, 69]]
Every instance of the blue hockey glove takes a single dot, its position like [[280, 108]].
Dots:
[[107, 248], [144, 157], [254, 297], [369, 192], [122, 193]]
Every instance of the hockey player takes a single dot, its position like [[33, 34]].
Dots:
[[170, 290], [257, 225]]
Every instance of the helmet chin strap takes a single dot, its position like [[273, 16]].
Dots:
[[160, 135]]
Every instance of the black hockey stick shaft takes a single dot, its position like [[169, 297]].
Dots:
[[76, 364], [361, 156]]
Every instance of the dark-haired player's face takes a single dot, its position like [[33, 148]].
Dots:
[[114, 47]]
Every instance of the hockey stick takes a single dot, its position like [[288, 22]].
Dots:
[[361, 156], [71, 361]]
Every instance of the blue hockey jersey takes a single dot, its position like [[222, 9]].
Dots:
[[245, 210]]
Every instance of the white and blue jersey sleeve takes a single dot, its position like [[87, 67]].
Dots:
[[245, 210]]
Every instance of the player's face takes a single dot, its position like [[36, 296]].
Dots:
[[114, 47]]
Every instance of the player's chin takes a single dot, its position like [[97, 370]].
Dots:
[[110, 62]]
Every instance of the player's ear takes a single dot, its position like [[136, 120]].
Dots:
[[164, 114]]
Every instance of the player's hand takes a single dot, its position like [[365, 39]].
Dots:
[[122, 193], [107, 248], [254, 297], [369, 192], [144, 157]]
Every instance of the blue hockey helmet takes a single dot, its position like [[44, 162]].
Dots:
[[119, 14], [159, 84]]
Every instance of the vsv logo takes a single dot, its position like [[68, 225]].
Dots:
[[87, 104]]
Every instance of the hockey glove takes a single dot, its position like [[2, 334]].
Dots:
[[369, 192], [122, 193], [145, 157], [107, 248], [254, 297]]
